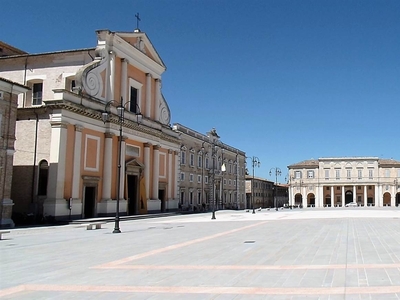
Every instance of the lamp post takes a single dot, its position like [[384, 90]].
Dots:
[[221, 185], [237, 180], [121, 119], [202, 173], [278, 172], [214, 137], [288, 180], [255, 161]]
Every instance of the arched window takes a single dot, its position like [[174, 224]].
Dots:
[[43, 178]]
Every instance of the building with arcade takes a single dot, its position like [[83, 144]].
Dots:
[[328, 182]]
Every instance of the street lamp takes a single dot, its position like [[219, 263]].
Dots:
[[221, 185], [237, 179], [202, 173], [255, 161], [214, 137], [106, 116], [288, 180], [278, 172]]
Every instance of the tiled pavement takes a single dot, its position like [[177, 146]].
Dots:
[[333, 253]]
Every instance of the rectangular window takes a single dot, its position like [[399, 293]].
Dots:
[[37, 93], [133, 100], [132, 151], [298, 174], [348, 174], [199, 178], [310, 174], [207, 163], [326, 173], [191, 197], [198, 197], [183, 158], [205, 179], [191, 177], [337, 173], [234, 183], [182, 176], [199, 161], [191, 159], [359, 174], [371, 173]]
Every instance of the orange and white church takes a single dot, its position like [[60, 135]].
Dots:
[[66, 152]]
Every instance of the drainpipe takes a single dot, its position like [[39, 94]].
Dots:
[[25, 68], [34, 159]]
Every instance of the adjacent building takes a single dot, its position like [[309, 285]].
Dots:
[[93, 126], [9, 92], [326, 182], [263, 193], [211, 173]]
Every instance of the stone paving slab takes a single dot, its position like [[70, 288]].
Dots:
[[335, 253]]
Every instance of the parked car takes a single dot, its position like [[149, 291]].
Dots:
[[351, 204]]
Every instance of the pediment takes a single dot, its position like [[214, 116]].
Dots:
[[133, 163], [141, 42]]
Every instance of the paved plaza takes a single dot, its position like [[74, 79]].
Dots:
[[332, 253]]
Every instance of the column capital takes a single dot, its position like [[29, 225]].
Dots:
[[108, 135], [157, 147], [170, 151], [58, 124], [148, 75], [147, 145], [176, 152], [78, 128], [124, 60]]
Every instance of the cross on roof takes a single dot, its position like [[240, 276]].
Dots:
[[137, 21]]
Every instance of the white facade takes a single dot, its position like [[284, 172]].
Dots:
[[326, 182]]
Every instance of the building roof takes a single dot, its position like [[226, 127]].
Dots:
[[312, 163], [7, 50], [11, 86], [388, 162], [250, 177], [47, 53]]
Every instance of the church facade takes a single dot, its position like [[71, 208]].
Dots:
[[335, 182], [94, 126]]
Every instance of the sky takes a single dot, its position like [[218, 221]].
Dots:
[[282, 80]]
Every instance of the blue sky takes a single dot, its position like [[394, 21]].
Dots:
[[282, 80]]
